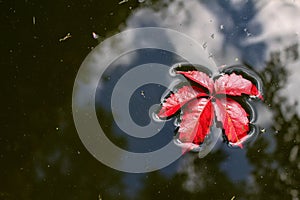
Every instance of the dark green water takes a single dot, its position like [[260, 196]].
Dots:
[[41, 154]]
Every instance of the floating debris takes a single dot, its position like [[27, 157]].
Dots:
[[33, 19], [66, 37], [204, 45], [143, 93], [212, 36], [123, 1], [95, 35], [221, 26], [247, 32]]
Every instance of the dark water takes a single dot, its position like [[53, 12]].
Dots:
[[41, 154]]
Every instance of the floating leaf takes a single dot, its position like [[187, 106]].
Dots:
[[196, 121], [199, 108], [178, 99], [199, 77], [234, 119], [235, 85]]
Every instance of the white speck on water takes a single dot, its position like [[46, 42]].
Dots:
[[65, 37], [141, 1], [33, 19], [95, 35], [57, 128], [258, 150], [221, 26], [124, 1], [247, 32], [236, 59], [143, 93]]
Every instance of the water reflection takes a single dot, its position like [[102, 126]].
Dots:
[[44, 158]]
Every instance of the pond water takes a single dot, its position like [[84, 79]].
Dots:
[[43, 153]]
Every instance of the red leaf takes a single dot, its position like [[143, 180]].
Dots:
[[196, 121], [235, 85], [200, 78], [234, 119], [178, 99]]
